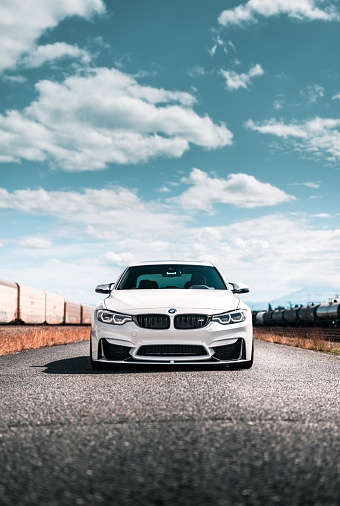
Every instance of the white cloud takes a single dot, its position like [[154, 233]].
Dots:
[[240, 190], [318, 137], [336, 97], [102, 237], [234, 81], [124, 258], [307, 185], [105, 214], [196, 71], [51, 52], [313, 93], [302, 10], [94, 208], [106, 116], [321, 215], [36, 243], [279, 103], [22, 23]]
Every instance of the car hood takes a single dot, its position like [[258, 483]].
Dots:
[[205, 301]]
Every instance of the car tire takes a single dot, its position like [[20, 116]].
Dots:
[[244, 365]]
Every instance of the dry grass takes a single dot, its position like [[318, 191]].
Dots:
[[14, 339], [312, 341]]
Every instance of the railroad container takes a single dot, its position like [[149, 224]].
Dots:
[[267, 318], [86, 314], [307, 314], [55, 307], [277, 316], [72, 313], [333, 312], [32, 305], [291, 315], [322, 312], [8, 301], [258, 320]]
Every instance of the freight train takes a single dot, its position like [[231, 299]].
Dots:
[[20, 304], [326, 314]]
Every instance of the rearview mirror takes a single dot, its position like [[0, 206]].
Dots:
[[105, 288], [239, 288]]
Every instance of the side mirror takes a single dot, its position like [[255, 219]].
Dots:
[[105, 288], [239, 288]]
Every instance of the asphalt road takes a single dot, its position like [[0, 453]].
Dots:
[[167, 437]]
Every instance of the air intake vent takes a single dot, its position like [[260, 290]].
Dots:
[[172, 350], [229, 351], [114, 351]]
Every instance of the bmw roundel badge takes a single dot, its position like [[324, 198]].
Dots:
[[172, 311]]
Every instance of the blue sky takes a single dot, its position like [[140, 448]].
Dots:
[[188, 130]]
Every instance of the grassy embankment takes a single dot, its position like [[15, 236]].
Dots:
[[14, 339], [313, 341]]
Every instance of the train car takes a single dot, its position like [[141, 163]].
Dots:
[[86, 314], [32, 305], [8, 301], [322, 313], [258, 318], [334, 313], [72, 313], [290, 316], [55, 307], [307, 315], [267, 318], [277, 316]]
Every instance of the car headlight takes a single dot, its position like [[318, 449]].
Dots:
[[113, 318], [235, 316]]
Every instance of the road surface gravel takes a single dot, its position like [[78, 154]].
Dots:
[[168, 436]]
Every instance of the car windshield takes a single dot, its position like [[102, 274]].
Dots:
[[171, 276]]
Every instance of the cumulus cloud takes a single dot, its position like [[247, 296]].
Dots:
[[22, 23], [234, 81], [51, 52], [105, 214], [93, 207], [302, 10], [240, 190], [106, 116], [318, 137]]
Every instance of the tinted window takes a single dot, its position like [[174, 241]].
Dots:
[[171, 276]]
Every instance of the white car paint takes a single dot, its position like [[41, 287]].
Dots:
[[170, 345]]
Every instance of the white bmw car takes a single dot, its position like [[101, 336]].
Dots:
[[172, 312]]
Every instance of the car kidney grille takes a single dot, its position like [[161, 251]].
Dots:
[[114, 351], [153, 321], [229, 351], [190, 321], [172, 350]]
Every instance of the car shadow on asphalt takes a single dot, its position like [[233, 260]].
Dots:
[[81, 365]]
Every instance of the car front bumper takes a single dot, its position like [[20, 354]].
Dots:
[[213, 344]]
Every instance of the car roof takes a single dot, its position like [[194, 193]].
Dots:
[[172, 262]]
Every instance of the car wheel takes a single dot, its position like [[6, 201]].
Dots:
[[244, 365]]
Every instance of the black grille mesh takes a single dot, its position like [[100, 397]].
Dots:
[[153, 321], [172, 350], [190, 321], [229, 351], [114, 351]]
